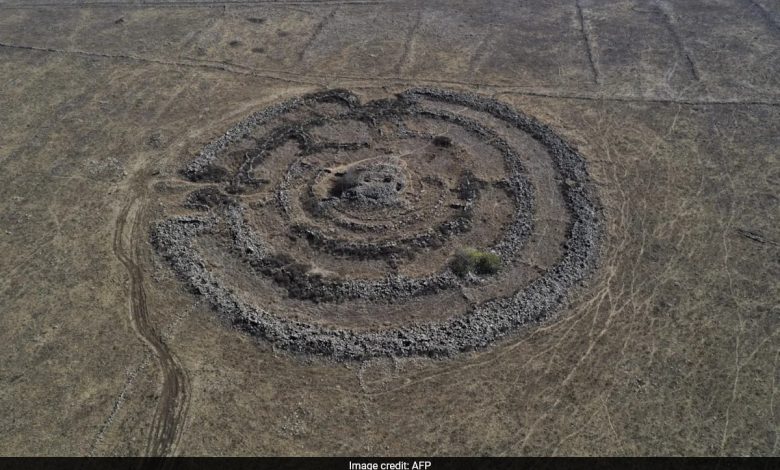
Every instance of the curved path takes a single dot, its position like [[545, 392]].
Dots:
[[171, 411]]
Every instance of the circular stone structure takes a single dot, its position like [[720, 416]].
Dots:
[[329, 226]]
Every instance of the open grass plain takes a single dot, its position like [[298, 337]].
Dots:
[[668, 344]]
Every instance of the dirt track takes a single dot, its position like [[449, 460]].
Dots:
[[171, 411]]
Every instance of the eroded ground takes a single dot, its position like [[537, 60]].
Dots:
[[671, 348]]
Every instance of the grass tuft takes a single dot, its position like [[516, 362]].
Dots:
[[470, 260]]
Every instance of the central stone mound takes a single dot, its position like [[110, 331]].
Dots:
[[371, 184], [427, 223]]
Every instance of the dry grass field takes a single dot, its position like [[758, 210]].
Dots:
[[670, 347]]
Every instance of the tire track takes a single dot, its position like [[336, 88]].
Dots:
[[587, 43], [168, 421], [663, 11], [364, 82]]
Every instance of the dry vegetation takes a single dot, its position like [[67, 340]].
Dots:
[[671, 345]]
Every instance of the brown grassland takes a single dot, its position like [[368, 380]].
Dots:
[[671, 347]]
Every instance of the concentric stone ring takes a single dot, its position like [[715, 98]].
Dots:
[[329, 226]]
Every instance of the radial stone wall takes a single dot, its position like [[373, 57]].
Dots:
[[327, 226]]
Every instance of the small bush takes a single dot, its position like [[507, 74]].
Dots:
[[461, 264], [469, 260], [488, 263]]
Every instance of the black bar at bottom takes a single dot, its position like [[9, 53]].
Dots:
[[400, 463]]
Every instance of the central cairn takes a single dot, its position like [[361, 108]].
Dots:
[[430, 223]]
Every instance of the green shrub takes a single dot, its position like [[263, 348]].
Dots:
[[469, 260], [488, 263], [461, 263]]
